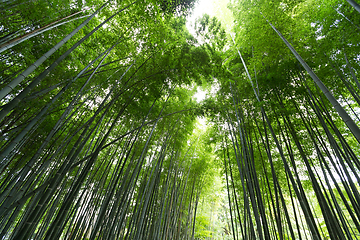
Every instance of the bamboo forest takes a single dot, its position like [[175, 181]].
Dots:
[[103, 134]]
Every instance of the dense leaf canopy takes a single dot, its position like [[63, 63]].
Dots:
[[101, 137]]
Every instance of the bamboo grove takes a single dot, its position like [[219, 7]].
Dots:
[[98, 125]]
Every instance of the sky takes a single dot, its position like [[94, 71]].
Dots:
[[214, 8], [201, 7]]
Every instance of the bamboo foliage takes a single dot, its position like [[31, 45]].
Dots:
[[294, 164], [99, 136], [112, 161]]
